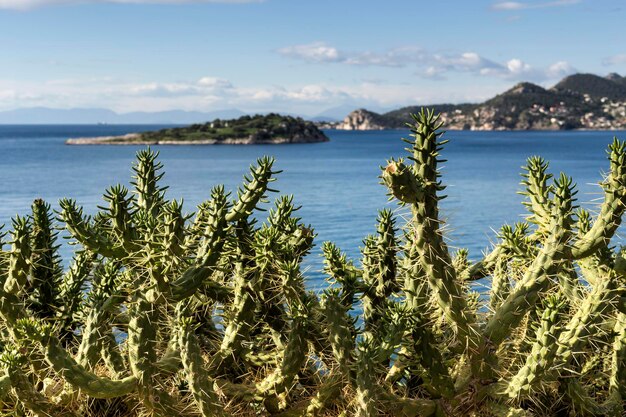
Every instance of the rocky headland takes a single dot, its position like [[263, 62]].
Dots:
[[362, 119], [579, 101]]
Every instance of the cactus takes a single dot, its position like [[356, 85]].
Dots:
[[46, 269], [164, 314], [544, 349], [200, 386]]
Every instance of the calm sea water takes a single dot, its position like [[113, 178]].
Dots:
[[336, 182]]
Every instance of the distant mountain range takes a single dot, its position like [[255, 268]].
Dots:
[[579, 101], [45, 115]]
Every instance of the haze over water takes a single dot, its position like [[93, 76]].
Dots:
[[336, 182]]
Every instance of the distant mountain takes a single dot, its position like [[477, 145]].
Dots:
[[44, 115], [579, 101], [333, 114], [617, 78], [362, 119], [614, 88], [323, 119], [399, 118]]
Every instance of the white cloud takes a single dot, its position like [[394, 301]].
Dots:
[[211, 93], [464, 62], [321, 52], [435, 73], [214, 82], [614, 60], [308, 94], [32, 4], [312, 52], [508, 5], [396, 57], [517, 5], [164, 90], [559, 70], [429, 64], [204, 87], [517, 66]]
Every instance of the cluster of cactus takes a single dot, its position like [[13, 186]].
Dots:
[[167, 314]]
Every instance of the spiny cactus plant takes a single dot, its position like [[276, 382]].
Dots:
[[165, 314]]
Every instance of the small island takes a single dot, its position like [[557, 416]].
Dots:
[[247, 130]]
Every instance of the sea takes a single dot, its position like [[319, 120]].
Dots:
[[337, 183]]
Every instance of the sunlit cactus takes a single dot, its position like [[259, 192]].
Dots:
[[166, 314]]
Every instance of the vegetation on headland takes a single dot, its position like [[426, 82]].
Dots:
[[164, 315], [259, 129], [580, 101]]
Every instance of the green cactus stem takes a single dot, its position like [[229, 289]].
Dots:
[[408, 407], [70, 294], [293, 356], [543, 352], [613, 207], [150, 195], [328, 391], [415, 288], [121, 218], [604, 226], [142, 355], [91, 345], [28, 395], [598, 301], [87, 233], [433, 252], [172, 234], [340, 332], [73, 373], [374, 304], [500, 283], [366, 400], [430, 358], [379, 272], [538, 192], [46, 271], [253, 191], [200, 385], [617, 379], [343, 272], [5, 387], [568, 281], [481, 268], [19, 258], [241, 315], [209, 252], [112, 356], [546, 264], [582, 403]]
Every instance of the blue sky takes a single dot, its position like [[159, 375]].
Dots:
[[295, 55]]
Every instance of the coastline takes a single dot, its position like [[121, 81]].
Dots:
[[134, 139]]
